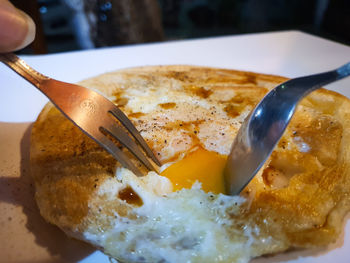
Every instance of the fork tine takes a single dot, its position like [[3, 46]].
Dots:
[[118, 154], [131, 128], [123, 137]]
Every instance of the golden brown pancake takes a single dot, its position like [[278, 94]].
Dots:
[[189, 116]]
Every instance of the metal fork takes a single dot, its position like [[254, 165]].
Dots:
[[265, 125], [92, 113]]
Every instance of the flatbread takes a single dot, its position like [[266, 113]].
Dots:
[[298, 200]]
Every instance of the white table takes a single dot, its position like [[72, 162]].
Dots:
[[24, 235]]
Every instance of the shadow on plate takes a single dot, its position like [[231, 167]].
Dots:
[[20, 192]]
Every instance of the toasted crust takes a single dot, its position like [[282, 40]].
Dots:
[[305, 209]]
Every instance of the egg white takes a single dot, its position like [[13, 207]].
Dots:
[[185, 226]]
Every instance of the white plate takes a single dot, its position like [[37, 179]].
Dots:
[[25, 236]]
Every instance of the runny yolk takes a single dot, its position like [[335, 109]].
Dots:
[[200, 165]]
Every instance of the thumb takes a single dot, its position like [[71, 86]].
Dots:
[[17, 29]]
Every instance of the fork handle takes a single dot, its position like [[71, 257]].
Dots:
[[24, 70], [344, 70]]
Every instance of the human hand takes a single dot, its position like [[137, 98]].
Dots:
[[17, 29]]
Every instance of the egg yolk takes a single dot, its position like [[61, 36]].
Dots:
[[200, 165]]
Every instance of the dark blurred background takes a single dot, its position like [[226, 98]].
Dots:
[[66, 25]]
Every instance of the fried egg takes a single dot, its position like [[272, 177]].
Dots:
[[189, 116]]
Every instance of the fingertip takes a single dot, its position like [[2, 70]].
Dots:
[[17, 28], [30, 32]]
